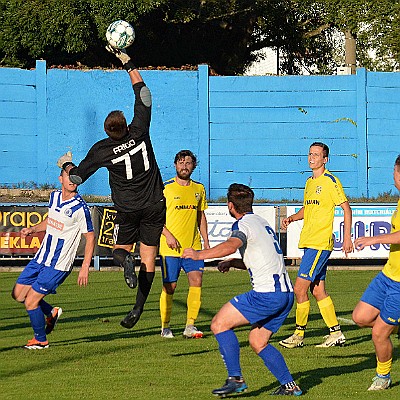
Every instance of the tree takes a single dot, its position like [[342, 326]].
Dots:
[[222, 33], [371, 29]]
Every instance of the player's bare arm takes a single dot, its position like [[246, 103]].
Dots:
[[295, 217], [221, 250], [172, 241], [225, 265], [89, 250], [347, 242], [202, 223], [389, 238], [36, 228]]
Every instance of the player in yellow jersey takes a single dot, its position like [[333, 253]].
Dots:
[[323, 192], [379, 307], [185, 225]]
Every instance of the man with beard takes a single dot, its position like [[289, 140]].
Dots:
[[264, 307], [185, 225]]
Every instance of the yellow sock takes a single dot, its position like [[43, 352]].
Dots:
[[302, 312], [193, 304], [327, 310], [383, 368], [165, 308]]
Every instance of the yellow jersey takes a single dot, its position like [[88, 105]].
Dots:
[[392, 267], [321, 196], [183, 203]]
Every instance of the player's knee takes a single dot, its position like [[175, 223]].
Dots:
[[380, 337], [31, 302], [17, 296], [119, 256], [216, 326], [356, 319], [169, 288], [195, 279], [257, 343], [360, 319]]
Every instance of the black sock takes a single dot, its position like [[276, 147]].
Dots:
[[119, 256], [145, 281]]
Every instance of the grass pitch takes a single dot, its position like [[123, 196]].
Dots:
[[92, 357]]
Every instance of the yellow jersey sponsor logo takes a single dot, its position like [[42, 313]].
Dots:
[[186, 207]]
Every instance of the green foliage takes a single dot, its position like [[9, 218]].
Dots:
[[61, 31], [92, 357], [374, 24], [222, 33]]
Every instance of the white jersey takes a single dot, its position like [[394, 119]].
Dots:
[[65, 224], [261, 254]]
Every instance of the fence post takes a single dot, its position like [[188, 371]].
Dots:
[[41, 124], [362, 132], [204, 126], [96, 262]]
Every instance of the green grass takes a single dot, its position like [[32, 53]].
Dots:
[[92, 357]]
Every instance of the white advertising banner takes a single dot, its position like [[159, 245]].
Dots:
[[371, 220], [220, 222]]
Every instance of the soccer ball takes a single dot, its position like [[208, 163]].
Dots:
[[120, 34]]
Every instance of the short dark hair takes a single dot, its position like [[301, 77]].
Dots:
[[397, 162], [186, 153], [115, 125], [325, 148], [241, 196]]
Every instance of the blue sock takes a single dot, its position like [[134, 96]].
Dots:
[[38, 324], [45, 307], [275, 362], [230, 352]]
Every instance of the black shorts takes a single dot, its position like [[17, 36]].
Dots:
[[144, 225]]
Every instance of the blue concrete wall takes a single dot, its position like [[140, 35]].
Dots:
[[253, 130], [262, 127]]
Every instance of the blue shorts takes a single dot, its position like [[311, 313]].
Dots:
[[171, 267], [383, 293], [44, 280], [268, 310], [313, 264]]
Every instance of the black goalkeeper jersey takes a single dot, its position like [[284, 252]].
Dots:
[[134, 176]]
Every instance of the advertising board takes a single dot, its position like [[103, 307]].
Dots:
[[371, 220]]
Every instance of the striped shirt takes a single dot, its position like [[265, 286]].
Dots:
[[66, 222], [261, 254]]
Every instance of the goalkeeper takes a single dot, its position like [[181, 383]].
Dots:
[[136, 186]]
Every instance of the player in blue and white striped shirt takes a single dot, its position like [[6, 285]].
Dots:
[[68, 218], [265, 307]]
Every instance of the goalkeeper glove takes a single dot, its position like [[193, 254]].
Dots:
[[122, 56]]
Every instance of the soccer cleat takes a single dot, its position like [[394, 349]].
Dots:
[[167, 333], [191, 332], [129, 271], [283, 391], [53, 319], [333, 339], [380, 383], [292, 341], [132, 318], [232, 385], [34, 344]]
